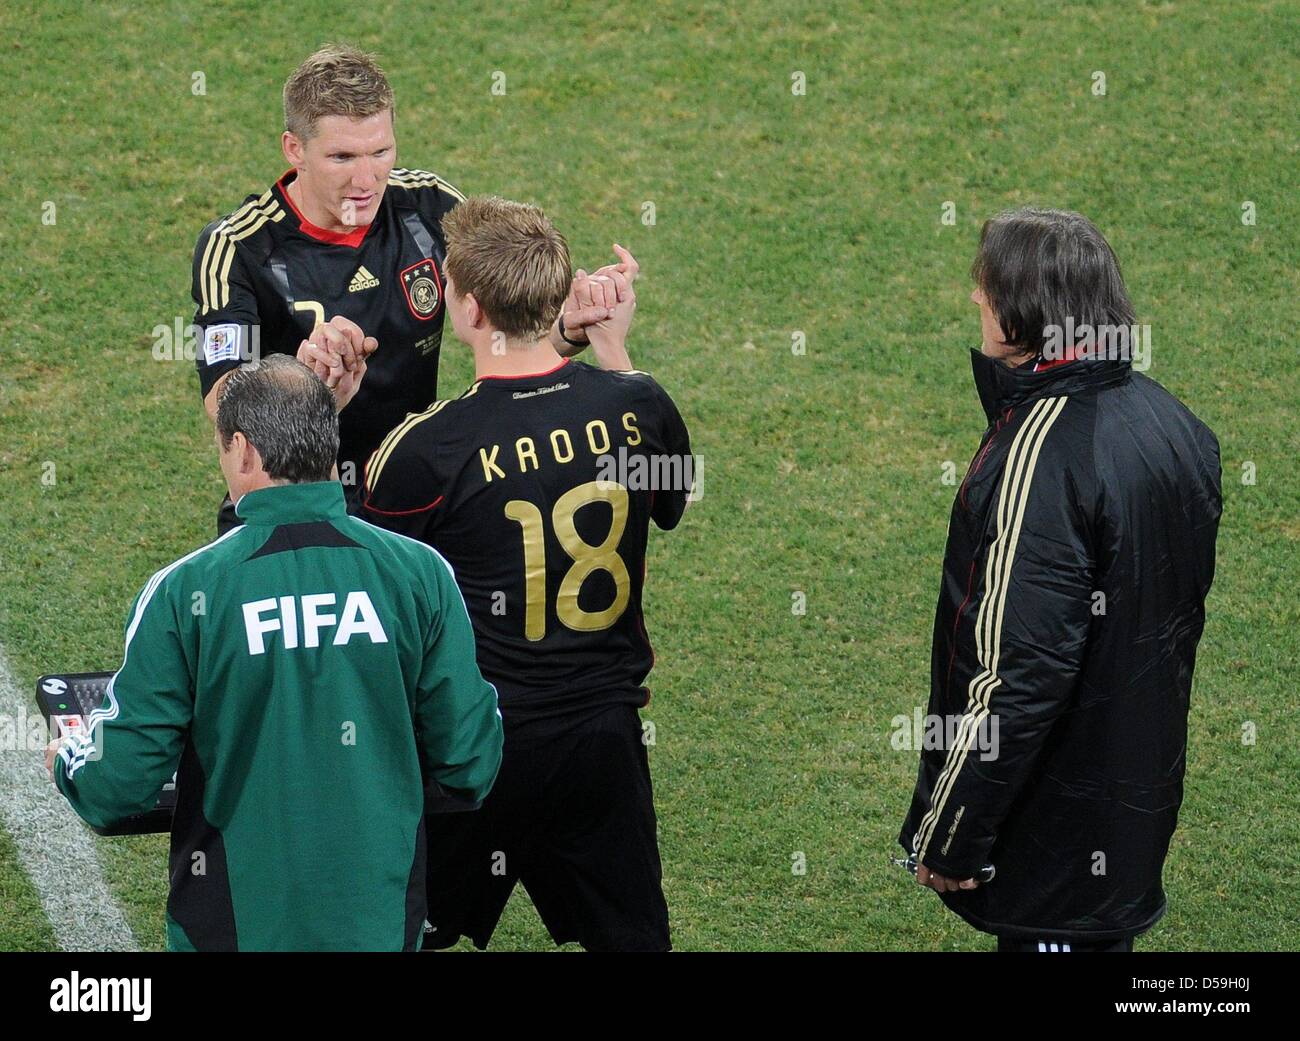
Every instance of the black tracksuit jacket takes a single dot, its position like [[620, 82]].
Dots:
[[1080, 552]]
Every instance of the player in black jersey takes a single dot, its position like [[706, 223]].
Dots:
[[538, 485], [345, 250]]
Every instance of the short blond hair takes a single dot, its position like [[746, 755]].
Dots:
[[337, 80], [509, 255]]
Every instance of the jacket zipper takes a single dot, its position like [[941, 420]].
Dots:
[[979, 459]]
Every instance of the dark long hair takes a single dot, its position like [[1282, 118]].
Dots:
[[1039, 267]]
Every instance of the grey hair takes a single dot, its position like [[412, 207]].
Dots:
[[286, 413]]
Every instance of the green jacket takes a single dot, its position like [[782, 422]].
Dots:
[[314, 679]]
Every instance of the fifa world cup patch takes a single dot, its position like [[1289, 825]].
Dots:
[[422, 285], [221, 343]]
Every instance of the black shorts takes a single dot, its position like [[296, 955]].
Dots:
[[572, 817]]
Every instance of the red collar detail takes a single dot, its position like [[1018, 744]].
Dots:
[[1067, 356], [352, 238], [529, 375]]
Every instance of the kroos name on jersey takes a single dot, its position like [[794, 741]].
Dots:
[[561, 442]]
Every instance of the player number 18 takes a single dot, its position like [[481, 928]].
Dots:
[[587, 558]]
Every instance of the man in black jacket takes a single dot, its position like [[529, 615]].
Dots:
[[1080, 552]]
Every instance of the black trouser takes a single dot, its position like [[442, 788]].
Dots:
[[571, 816], [1065, 946]]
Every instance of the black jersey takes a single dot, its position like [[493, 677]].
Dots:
[[264, 276], [539, 491]]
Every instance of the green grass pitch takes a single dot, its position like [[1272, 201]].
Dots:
[[803, 301]]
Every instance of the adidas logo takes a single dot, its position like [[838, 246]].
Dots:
[[363, 279]]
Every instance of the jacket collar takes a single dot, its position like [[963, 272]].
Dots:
[[293, 503], [1001, 387]]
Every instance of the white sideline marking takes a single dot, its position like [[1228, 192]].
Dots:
[[55, 850]]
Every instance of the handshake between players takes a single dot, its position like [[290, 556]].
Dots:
[[491, 660], [601, 305]]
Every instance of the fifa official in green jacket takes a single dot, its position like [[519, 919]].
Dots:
[[314, 680]]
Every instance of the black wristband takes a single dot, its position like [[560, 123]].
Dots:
[[571, 343]]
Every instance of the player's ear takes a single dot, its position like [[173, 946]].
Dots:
[[473, 312], [291, 145], [249, 459]]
